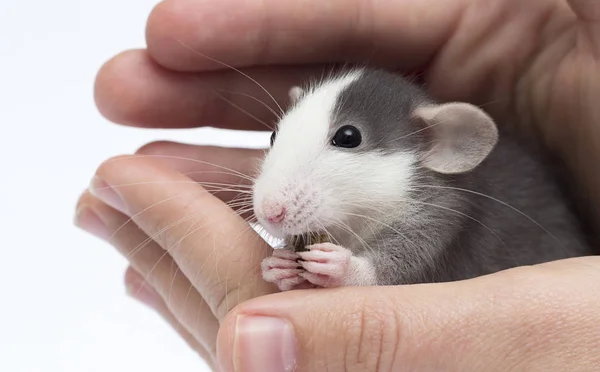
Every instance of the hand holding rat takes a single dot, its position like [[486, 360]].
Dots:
[[527, 48], [195, 270]]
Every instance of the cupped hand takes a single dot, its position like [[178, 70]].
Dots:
[[193, 259], [533, 64]]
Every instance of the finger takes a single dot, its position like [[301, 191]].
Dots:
[[157, 268], [246, 33], [142, 291], [523, 319], [131, 89], [213, 246], [215, 168]]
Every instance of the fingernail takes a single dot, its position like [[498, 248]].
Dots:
[[263, 344], [143, 292], [88, 220], [107, 194]]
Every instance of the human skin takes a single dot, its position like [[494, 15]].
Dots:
[[534, 64]]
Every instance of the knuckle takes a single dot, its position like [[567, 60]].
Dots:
[[158, 231], [374, 331], [171, 233], [226, 301]]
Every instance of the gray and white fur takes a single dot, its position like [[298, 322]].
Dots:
[[433, 192]]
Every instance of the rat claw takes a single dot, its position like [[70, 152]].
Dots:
[[315, 256], [285, 253], [282, 269], [274, 275], [320, 280], [325, 247], [290, 283], [332, 270], [326, 264], [278, 263]]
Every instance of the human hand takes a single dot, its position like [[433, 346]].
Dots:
[[202, 261], [532, 63], [192, 257], [513, 72], [538, 318]]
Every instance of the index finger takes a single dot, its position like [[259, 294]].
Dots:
[[245, 33], [214, 247]]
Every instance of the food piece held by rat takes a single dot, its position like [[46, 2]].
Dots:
[[405, 190]]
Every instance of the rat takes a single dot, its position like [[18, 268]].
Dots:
[[406, 189]]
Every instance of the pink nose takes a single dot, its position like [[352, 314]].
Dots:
[[275, 215]]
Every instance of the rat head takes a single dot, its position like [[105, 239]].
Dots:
[[351, 148]]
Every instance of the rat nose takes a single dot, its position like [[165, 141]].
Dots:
[[274, 213]]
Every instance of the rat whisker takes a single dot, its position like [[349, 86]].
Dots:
[[379, 222], [244, 196], [213, 191], [219, 254], [215, 186], [177, 266], [234, 69], [194, 278], [167, 252], [406, 241], [374, 233], [345, 227], [277, 115], [408, 200], [500, 202], [226, 253], [188, 233], [269, 127], [233, 171], [419, 130], [439, 122], [240, 200], [160, 231], [249, 180], [456, 212], [132, 218], [153, 236]]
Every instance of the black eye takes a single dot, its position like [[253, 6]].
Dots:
[[273, 135], [347, 136]]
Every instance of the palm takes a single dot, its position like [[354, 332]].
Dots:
[[531, 63]]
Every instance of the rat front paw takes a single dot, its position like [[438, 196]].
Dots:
[[326, 264], [283, 270]]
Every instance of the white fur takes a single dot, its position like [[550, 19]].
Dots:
[[320, 185], [360, 273], [324, 265]]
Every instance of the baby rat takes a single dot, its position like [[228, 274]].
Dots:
[[406, 189]]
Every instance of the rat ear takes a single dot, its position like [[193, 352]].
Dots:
[[461, 136], [295, 93]]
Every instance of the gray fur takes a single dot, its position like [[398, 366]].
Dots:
[[443, 245]]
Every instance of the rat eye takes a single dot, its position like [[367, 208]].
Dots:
[[347, 136], [273, 135]]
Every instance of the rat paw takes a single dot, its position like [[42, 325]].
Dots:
[[283, 270], [326, 264]]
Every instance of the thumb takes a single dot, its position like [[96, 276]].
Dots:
[[534, 317]]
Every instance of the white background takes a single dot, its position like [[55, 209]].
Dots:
[[63, 305]]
